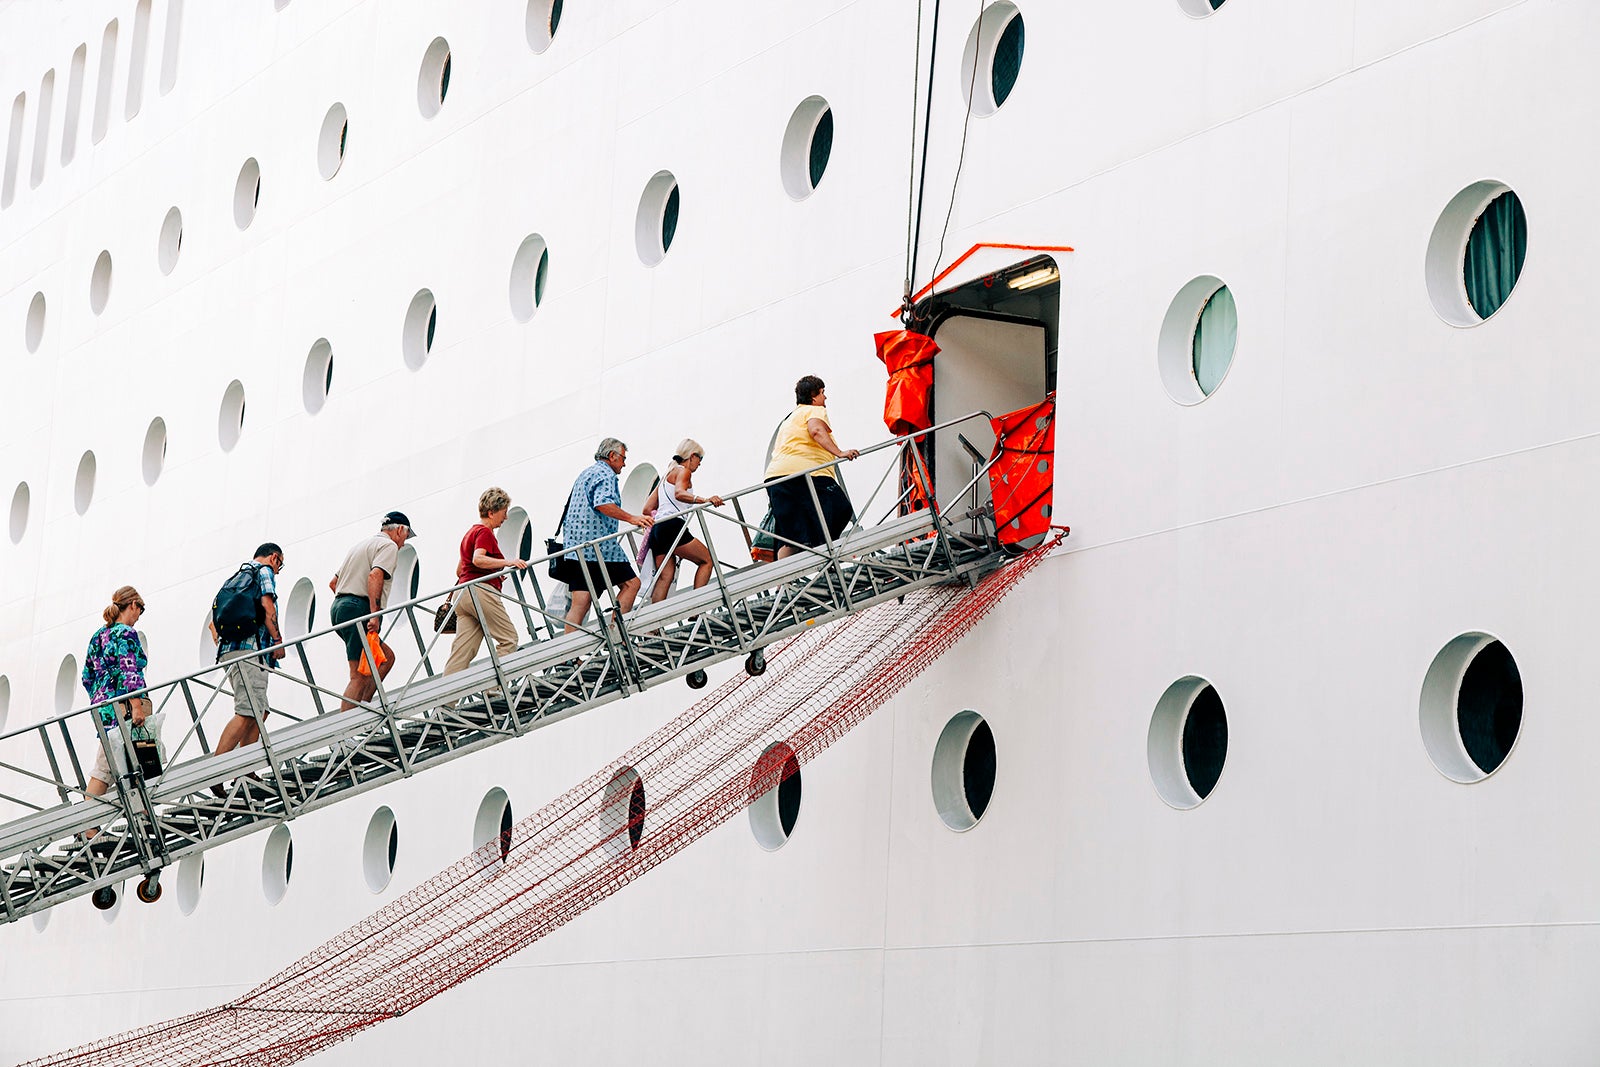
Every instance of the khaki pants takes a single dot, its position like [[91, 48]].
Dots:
[[470, 628]]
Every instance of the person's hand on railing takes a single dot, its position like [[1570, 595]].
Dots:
[[714, 500], [278, 652], [850, 453], [374, 624], [517, 564]]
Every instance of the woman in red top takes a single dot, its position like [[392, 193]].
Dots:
[[479, 608]]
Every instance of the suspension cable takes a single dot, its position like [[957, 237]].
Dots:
[[972, 91], [927, 122], [911, 161]]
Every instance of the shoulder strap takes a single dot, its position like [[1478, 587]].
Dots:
[[565, 508]]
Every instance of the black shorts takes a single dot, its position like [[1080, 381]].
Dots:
[[347, 607], [604, 574], [668, 533], [794, 514]]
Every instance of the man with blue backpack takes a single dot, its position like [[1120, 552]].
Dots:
[[244, 617]]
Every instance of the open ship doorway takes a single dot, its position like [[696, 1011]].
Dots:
[[997, 338]]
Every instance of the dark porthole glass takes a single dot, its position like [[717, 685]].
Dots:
[[433, 323], [257, 200], [669, 220], [1489, 707], [394, 843], [288, 863], [1496, 249], [505, 832], [1217, 3], [527, 542], [821, 146], [977, 770], [1007, 60], [327, 378], [416, 579], [1205, 741], [444, 79], [636, 814], [555, 17], [789, 796], [539, 277]]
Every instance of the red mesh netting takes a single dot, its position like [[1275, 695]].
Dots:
[[697, 772]]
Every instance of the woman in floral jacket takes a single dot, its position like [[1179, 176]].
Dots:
[[114, 665]]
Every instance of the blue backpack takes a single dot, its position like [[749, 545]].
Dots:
[[236, 611]]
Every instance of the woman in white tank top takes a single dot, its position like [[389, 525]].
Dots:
[[670, 538]]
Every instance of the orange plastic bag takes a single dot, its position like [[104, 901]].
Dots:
[[376, 647]]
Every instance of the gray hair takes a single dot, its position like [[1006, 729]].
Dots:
[[608, 446]]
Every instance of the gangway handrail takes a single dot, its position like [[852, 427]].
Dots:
[[424, 718]]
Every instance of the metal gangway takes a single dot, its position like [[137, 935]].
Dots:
[[57, 842]]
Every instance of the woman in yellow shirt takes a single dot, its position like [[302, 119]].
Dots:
[[805, 440]]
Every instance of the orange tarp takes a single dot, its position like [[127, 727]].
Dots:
[[1022, 479], [908, 356]]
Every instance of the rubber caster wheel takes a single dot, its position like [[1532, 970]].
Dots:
[[149, 889], [104, 899], [696, 679], [755, 664]]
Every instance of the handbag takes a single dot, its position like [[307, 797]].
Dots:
[[147, 749], [444, 620], [764, 546], [553, 546]]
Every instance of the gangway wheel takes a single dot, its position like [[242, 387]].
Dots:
[[105, 899], [149, 890], [696, 679], [755, 664]]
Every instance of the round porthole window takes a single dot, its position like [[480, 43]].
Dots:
[[191, 879], [21, 500], [331, 140], [515, 535], [1198, 339], [230, 416], [775, 796], [1476, 253], [277, 864], [422, 320], [433, 79], [379, 850], [963, 770], [300, 613], [992, 61], [83, 483], [316, 380], [656, 224], [530, 270], [622, 812], [1471, 707], [100, 283], [544, 18], [66, 685], [33, 331], [492, 825], [5, 700], [247, 194], [1200, 8], [154, 456], [807, 147], [1188, 742], [170, 241]]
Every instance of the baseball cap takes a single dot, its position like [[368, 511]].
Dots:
[[398, 518]]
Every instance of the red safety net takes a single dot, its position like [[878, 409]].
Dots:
[[1022, 480], [682, 781]]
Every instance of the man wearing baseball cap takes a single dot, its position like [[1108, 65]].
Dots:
[[361, 587]]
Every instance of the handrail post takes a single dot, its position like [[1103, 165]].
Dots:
[[494, 659], [384, 705]]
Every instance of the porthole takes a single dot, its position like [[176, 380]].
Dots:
[[1200, 8], [41, 919], [1187, 744], [331, 141], [775, 796], [5, 701], [21, 499], [493, 823], [230, 416], [433, 79], [33, 332], [422, 319], [622, 812], [380, 849], [407, 572], [992, 61], [530, 269], [206, 650], [656, 224], [807, 147], [277, 864], [66, 684], [1476, 253], [83, 483], [316, 381], [100, 283], [544, 18], [111, 913], [515, 535], [963, 770], [154, 456], [300, 611], [1198, 340], [170, 241], [636, 487], [247, 194], [191, 879], [1471, 707]]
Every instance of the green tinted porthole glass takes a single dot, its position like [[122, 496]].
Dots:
[[821, 147], [1007, 60]]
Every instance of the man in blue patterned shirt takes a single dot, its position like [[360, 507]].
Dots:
[[593, 510], [248, 675]]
